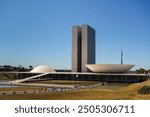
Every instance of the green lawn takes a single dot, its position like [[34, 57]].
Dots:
[[5, 76], [66, 82]]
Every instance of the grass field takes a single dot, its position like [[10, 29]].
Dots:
[[18, 89], [128, 93], [66, 82], [4, 76]]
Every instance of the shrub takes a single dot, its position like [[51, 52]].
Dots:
[[144, 90]]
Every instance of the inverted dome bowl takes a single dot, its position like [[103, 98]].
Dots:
[[109, 68]]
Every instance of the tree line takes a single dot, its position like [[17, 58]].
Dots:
[[14, 68], [142, 71]]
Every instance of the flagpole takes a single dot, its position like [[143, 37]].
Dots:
[[121, 57]]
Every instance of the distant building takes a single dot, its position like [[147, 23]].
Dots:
[[83, 47]]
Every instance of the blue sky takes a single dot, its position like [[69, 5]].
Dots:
[[35, 32]]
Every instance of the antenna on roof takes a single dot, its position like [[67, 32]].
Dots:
[[121, 56]]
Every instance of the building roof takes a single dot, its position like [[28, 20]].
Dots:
[[42, 69], [109, 68]]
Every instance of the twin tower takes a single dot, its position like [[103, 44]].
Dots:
[[83, 47]]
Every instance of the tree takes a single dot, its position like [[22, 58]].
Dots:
[[141, 71], [138, 71], [30, 67], [7, 68]]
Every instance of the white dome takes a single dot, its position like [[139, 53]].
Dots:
[[42, 69]]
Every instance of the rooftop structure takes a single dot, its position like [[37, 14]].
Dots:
[[109, 68], [42, 69]]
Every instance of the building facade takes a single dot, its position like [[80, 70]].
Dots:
[[83, 47], [76, 49]]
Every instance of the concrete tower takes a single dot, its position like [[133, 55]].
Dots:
[[88, 47], [83, 47], [76, 49]]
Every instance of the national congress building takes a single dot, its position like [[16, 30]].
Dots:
[[83, 47], [83, 61]]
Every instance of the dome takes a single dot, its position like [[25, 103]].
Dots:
[[109, 68], [42, 69]]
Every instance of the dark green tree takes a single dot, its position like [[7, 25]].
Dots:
[[30, 67]]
